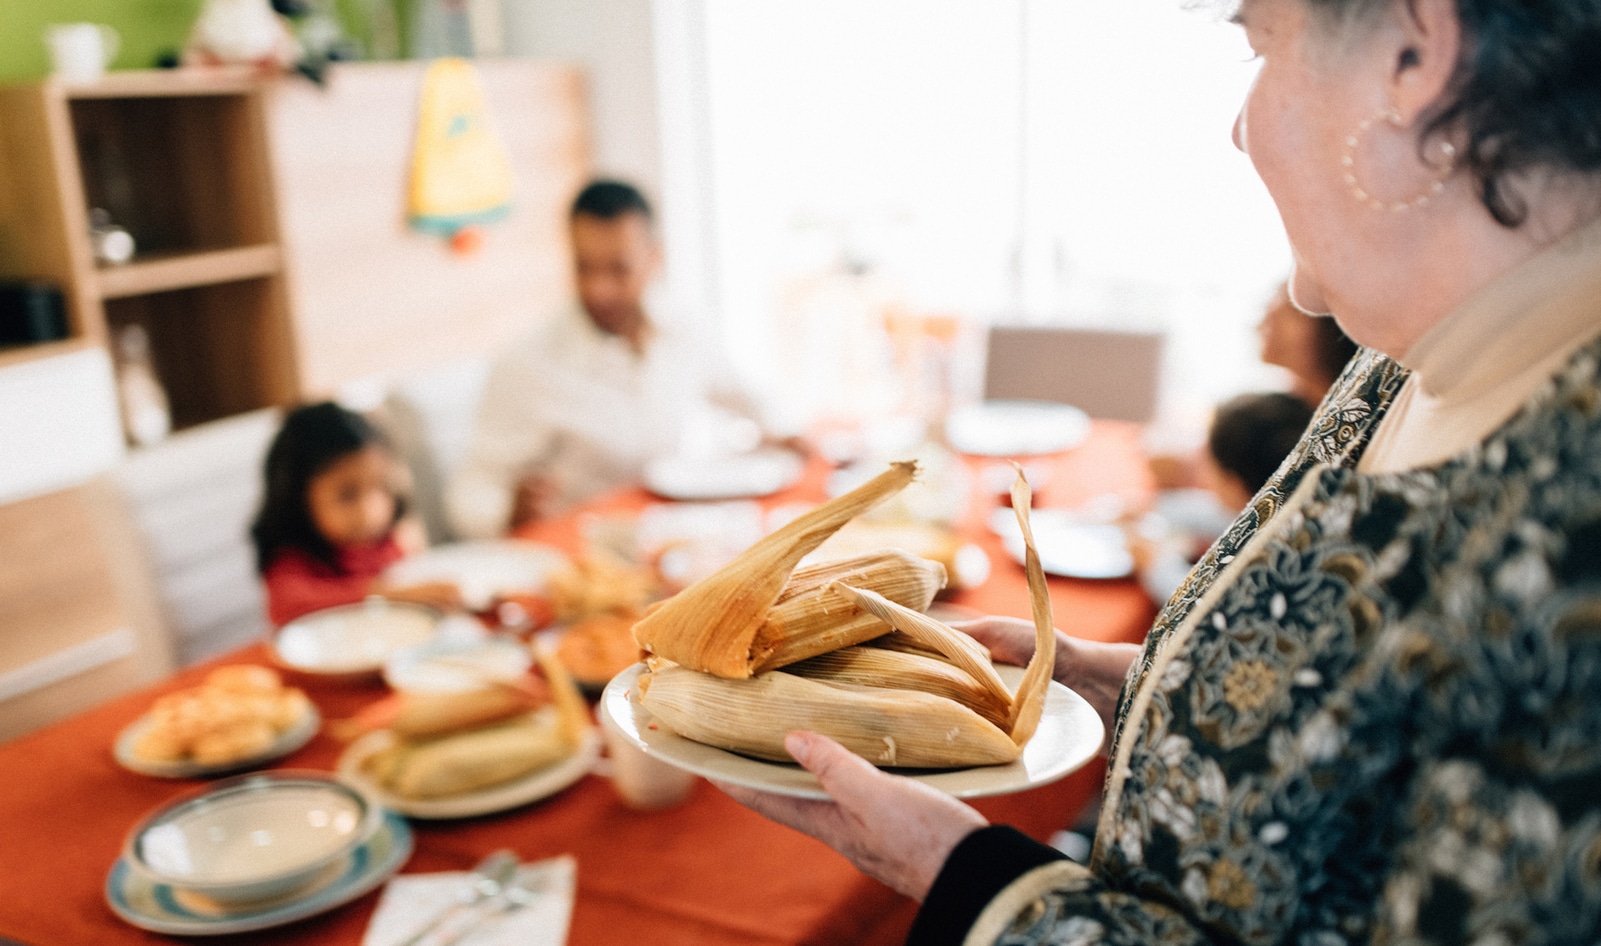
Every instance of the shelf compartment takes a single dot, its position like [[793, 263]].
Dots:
[[162, 272], [218, 349]]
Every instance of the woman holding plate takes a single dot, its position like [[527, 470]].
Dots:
[[1370, 713]]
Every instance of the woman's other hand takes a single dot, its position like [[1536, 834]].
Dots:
[[892, 828], [1092, 669]]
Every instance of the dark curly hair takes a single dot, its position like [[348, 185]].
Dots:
[[1526, 92], [311, 439], [1252, 434]]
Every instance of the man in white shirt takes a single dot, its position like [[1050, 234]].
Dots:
[[580, 404]]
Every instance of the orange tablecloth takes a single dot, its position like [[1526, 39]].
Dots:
[[706, 873]]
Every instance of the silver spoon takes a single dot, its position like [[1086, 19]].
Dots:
[[489, 878], [520, 893]]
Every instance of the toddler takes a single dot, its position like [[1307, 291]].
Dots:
[[333, 517]]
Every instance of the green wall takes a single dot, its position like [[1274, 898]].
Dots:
[[148, 28]]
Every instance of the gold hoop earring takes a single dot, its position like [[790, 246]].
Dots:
[[1391, 116]]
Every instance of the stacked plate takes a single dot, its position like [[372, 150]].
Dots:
[[254, 852]]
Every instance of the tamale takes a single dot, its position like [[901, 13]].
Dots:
[[903, 728], [711, 625], [952, 644], [811, 618], [894, 670]]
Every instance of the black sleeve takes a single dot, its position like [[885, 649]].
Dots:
[[981, 866]]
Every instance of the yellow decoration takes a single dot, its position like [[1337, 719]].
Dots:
[[459, 172]]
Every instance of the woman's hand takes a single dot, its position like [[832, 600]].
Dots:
[[892, 828], [1090, 668]]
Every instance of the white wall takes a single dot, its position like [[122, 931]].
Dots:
[[58, 423]]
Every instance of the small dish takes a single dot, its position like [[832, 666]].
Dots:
[[741, 476], [450, 666], [251, 838], [1069, 735], [352, 640], [288, 741], [1003, 428], [163, 908], [483, 571], [541, 783]]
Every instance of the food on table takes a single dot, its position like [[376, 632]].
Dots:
[[599, 648], [933, 701], [237, 713], [446, 744], [598, 584]]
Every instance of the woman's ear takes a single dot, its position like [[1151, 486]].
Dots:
[[1426, 58]]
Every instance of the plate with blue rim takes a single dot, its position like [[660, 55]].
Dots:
[[163, 908]]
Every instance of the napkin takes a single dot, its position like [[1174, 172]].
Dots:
[[410, 901]]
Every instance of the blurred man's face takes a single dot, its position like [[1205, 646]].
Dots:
[[616, 260]]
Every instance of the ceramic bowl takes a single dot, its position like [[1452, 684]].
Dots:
[[353, 639], [252, 838]]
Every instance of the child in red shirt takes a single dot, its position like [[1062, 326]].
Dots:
[[332, 518]]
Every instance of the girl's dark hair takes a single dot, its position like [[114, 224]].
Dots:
[[1526, 93], [1253, 433], [311, 439]]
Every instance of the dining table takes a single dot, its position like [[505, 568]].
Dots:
[[706, 872]]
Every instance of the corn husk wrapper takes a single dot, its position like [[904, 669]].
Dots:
[[471, 760], [711, 626], [893, 670], [904, 728], [812, 617], [950, 643], [1029, 703]]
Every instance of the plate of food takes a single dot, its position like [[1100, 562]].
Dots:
[[458, 754], [352, 640], [763, 647], [240, 716], [598, 648], [1069, 545], [484, 571], [1069, 735]]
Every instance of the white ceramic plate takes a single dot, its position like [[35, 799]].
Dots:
[[162, 908], [288, 741], [454, 666], [1016, 428], [1069, 735], [1068, 546], [746, 475], [538, 784], [482, 570], [354, 638]]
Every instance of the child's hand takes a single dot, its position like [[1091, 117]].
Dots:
[[439, 595]]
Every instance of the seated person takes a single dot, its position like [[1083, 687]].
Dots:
[[1250, 436], [1314, 349], [332, 517], [581, 403]]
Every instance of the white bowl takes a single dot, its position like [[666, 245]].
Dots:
[[354, 638], [445, 666], [252, 838]]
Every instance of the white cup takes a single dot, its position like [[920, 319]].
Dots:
[[644, 783], [81, 52]]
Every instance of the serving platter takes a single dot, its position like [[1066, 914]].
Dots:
[[1069, 735], [541, 783], [288, 741], [162, 908]]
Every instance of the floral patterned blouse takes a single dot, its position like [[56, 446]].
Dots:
[[1372, 714]]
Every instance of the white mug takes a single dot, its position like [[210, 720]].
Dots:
[[81, 52]]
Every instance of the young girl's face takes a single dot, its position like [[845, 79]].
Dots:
[[352, 501]]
